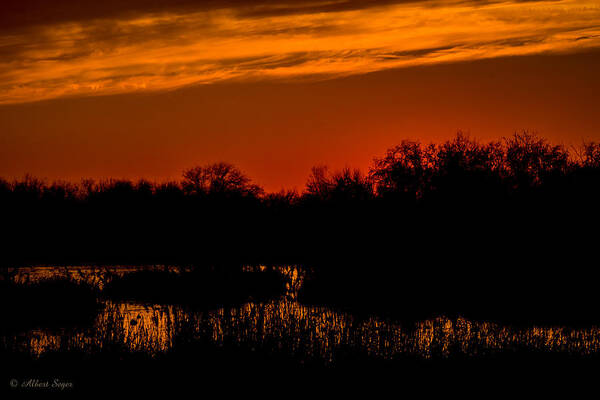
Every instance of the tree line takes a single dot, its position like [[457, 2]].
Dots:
[[518, 184], [410, 172]]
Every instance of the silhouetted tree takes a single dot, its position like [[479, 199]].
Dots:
[[405, 170], [5, 188], [144, 188], [531, 159], [350, 184], [463, 154], [318, 185], [29, 188], [169, 191], [588, 155], [60, 191], [218, 179], [341, 186], [281, 199], [114, 191], [466, 171]]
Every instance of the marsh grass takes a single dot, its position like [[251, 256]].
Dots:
[[258, 347]]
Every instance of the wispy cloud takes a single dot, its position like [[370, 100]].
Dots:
[[178, 47]]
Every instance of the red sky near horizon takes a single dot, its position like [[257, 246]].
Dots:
[[138, 88]]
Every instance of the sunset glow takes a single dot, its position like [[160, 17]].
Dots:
[[132, 88]]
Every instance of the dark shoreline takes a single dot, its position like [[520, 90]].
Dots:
[[244, 372]]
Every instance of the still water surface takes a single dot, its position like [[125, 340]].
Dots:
[[288, 326]]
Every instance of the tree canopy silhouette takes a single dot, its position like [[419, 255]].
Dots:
[[413, 187], [340, 186], [218, 179]]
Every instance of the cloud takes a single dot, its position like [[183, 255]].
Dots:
[[104, 50], [18, 14]]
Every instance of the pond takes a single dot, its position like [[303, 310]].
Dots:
[[280, 324]]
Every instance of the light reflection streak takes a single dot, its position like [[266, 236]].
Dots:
[[307, 332]]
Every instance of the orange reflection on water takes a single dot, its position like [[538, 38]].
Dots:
[[287, 326], [310, 332]]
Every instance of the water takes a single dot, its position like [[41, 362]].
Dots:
[[284, 325]]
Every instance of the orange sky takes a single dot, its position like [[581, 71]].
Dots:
[[127, 90]]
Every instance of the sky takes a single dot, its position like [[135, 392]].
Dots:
[[147, 88]]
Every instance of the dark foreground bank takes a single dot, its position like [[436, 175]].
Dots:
[[200, 368]]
